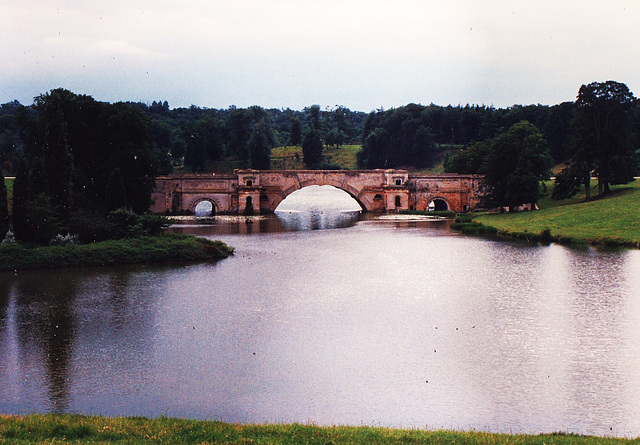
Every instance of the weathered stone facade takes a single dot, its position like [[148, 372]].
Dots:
[[263, 190]]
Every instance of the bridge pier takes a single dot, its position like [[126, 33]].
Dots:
[[260, 191]]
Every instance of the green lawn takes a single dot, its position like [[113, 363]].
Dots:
[[287, 158], [50, 429], [290, 157], [345, 156], [615, 217]]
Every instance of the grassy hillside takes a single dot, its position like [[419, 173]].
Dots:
[[49, 429], [345, 157], [610, 220], [290, 157]]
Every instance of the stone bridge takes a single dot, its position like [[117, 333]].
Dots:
[[261, 191]]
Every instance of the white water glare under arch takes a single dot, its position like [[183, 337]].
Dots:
[[318, 207]]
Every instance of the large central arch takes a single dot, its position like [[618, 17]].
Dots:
[[274, 187], [348, 190]]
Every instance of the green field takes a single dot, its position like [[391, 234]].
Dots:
[[614, 219], [50, 429], [290, 157]]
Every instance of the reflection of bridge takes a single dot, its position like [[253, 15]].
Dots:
[[263, 190]]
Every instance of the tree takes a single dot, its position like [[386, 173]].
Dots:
[[116, 194], [375, 150], [126, 144], [469, 160], [341, 126], [20, 197], [259, 147], [204, 143], [42, 220], [295, 136], [516, 163], [314, 112], [336, 137], [239, 124], [398, 138], [601, 138], [56, 152], [4, 208], [312, 148]]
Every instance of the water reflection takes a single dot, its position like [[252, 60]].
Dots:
[[227, 225], [65, 335], [38, 335], [317, 219]]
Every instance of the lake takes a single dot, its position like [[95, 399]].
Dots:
[[390, 321]]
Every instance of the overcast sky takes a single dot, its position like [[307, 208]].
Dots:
[[363, 54]]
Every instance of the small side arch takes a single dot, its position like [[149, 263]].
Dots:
[[204, 207], [438, 204]]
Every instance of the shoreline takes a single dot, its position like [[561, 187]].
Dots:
[[166, 247]]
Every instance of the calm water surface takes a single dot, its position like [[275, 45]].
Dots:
[[385, 322]]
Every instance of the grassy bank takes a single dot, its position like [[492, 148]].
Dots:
[[49, 429], [613, 220], [166, 247]]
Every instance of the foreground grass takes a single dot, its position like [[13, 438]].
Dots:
[[166, 247], [49, 429], [613, 220]]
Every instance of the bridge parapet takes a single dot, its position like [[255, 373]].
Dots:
[[263, 190]]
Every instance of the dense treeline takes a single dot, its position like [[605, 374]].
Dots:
[[201, 138], [412, 136], [409, 136], [76, 158]]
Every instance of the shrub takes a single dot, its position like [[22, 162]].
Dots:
[[64, 240], [9, 238], [474, 228], [464, 218], [118, 224], [545, 236]]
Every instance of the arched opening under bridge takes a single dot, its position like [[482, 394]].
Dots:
[[204, 209], [318, 207], [320, 196], [438, 205]]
